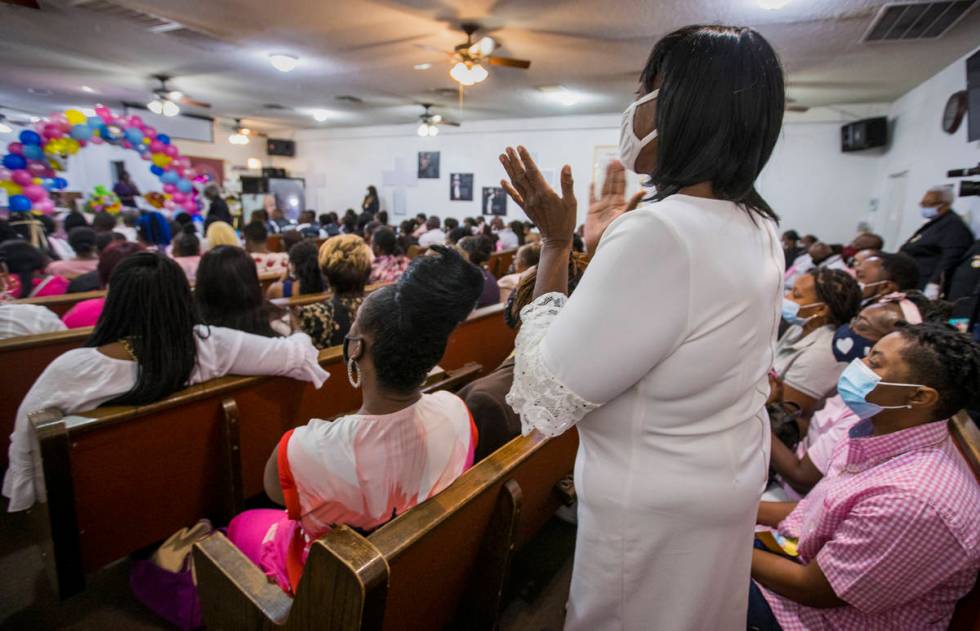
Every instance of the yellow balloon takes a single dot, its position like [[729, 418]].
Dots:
[[10, 187], [38, 180], [75, 117], [146, 140], [71, 145], [160, 159]]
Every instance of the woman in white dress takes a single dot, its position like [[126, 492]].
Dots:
[[147, 344], [661, 356]]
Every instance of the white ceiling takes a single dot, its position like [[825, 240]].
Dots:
[[367, 48]]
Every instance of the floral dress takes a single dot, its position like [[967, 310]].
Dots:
[[388, 268], [329, 321]]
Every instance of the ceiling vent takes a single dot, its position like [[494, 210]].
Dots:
[[274, 106], [349, 98], [151, 23], [918, 20]]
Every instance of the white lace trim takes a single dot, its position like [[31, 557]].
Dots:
[[541, 400]]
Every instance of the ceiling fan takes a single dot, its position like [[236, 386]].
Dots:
[[469, 57], [240, 134], [165, 99], [430, 121]]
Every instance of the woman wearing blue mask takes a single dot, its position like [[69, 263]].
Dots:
[[660, 357], [805, 370], [888, 539]]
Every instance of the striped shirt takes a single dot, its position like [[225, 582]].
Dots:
[[893, 527]]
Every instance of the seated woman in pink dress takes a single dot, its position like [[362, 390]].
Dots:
[[26, 266], [87, 312], [399, 449], [82, 241], [186, 252]]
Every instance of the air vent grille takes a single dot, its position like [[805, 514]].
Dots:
[[349, 98], [151, 23], [919, 20]]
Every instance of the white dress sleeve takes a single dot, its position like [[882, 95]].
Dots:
[[222, 351], [629, 312]]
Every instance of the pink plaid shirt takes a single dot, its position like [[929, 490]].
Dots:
[[893, 526]]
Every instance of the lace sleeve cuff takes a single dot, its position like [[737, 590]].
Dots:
[[541, 400]]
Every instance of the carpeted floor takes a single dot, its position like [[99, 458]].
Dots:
[[535, 599]]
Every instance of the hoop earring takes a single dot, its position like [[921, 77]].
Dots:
[[353, 368]]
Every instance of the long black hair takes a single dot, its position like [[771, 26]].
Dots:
[[22, 259], [410, 321], [228, 293], [150, 304], [719, 111], [306, 268]]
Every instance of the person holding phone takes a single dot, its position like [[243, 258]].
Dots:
[[660, 359]]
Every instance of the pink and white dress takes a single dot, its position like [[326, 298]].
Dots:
[[359, 470]]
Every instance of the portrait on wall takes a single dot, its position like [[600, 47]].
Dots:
[[461, 187], [494, 200], [428, 165]]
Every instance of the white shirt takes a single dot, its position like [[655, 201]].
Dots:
[[128, 232], [507, 238], [84, 378], [432, 237], [19, 319], [661, 360]]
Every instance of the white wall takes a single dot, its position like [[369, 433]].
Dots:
[[922, 150]]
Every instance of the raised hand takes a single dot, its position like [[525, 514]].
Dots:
[[553, 214], [609, 205]]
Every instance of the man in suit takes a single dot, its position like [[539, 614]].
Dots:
[[940, 244]]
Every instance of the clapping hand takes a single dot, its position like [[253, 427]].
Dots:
[[553, 214], [611, 203]]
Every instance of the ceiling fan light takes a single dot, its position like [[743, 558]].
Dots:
[[433, 130], [478, 73], [170, 108], [238, 138], [283, 62], [423, 130], [175, 95], [5, 128], [460, 73], [155, 106], [486, 46]]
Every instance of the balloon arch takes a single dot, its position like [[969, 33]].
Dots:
[[30, 167]]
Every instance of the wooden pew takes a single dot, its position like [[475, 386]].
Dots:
[[121, 478], [966, 616], [265, 280], [445, 561], [499, 262], [63, 303]]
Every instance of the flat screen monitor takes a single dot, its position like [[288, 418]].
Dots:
[[973, 96], [290, 194]]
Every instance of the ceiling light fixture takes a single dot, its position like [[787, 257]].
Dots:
[[320, 115], [468, 73], [4, 127], [88, 89], [155, 106], [170, 108], [772, 5], [163, 107], [254, 164], [425, 129], [283, 62], [422, 66], [238, 139]]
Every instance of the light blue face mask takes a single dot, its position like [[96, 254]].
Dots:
[[791, 311], [857, 382]]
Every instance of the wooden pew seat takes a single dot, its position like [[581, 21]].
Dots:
[[445, 560]]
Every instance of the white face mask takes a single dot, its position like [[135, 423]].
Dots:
[[629, 145]]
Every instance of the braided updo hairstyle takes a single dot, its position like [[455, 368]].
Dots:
[[411, 320], [839, 292], [346, 262], [941, 357]]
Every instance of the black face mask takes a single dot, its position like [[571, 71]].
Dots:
[[848, 345]]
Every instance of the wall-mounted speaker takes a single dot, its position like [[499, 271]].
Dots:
[[280, 147], [864, 134], [254, 185]]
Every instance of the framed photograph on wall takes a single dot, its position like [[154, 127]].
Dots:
[[461, 187], [494, 200], [428, 165]]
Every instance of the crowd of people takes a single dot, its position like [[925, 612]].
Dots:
[[798, 390]]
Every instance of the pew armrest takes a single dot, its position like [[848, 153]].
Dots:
[[235, 594]]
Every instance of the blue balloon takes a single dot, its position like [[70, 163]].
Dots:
[[134, 136], [155, 170], [50, 184], [94, 122], [164, 138], [60, 183], [13, 161], [30, 137], [81, 132], [33, 152], [170, 177], [19, 204], [184, 186]]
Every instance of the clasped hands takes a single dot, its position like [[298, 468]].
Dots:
[[555, 215]]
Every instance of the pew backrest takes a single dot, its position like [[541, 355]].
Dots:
[[62, 303], [499, 263], [966, 616]]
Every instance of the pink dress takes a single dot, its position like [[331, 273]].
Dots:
[[84, 313], [47, 286], [189, 265], [359, 470]]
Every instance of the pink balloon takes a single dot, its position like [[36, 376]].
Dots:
[[179, 198], [35, 192], [146, 155], [169, 204], [190, 174], [59, 120], [170, 150], [15, 147], [150, 132], [37, 168], [96, 140], [22, 177], [190, 206], [52, 130], [135, 121], [127, 145], [5, 174], [170, 189], [156, 146], [45, 206], [178, 170]]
